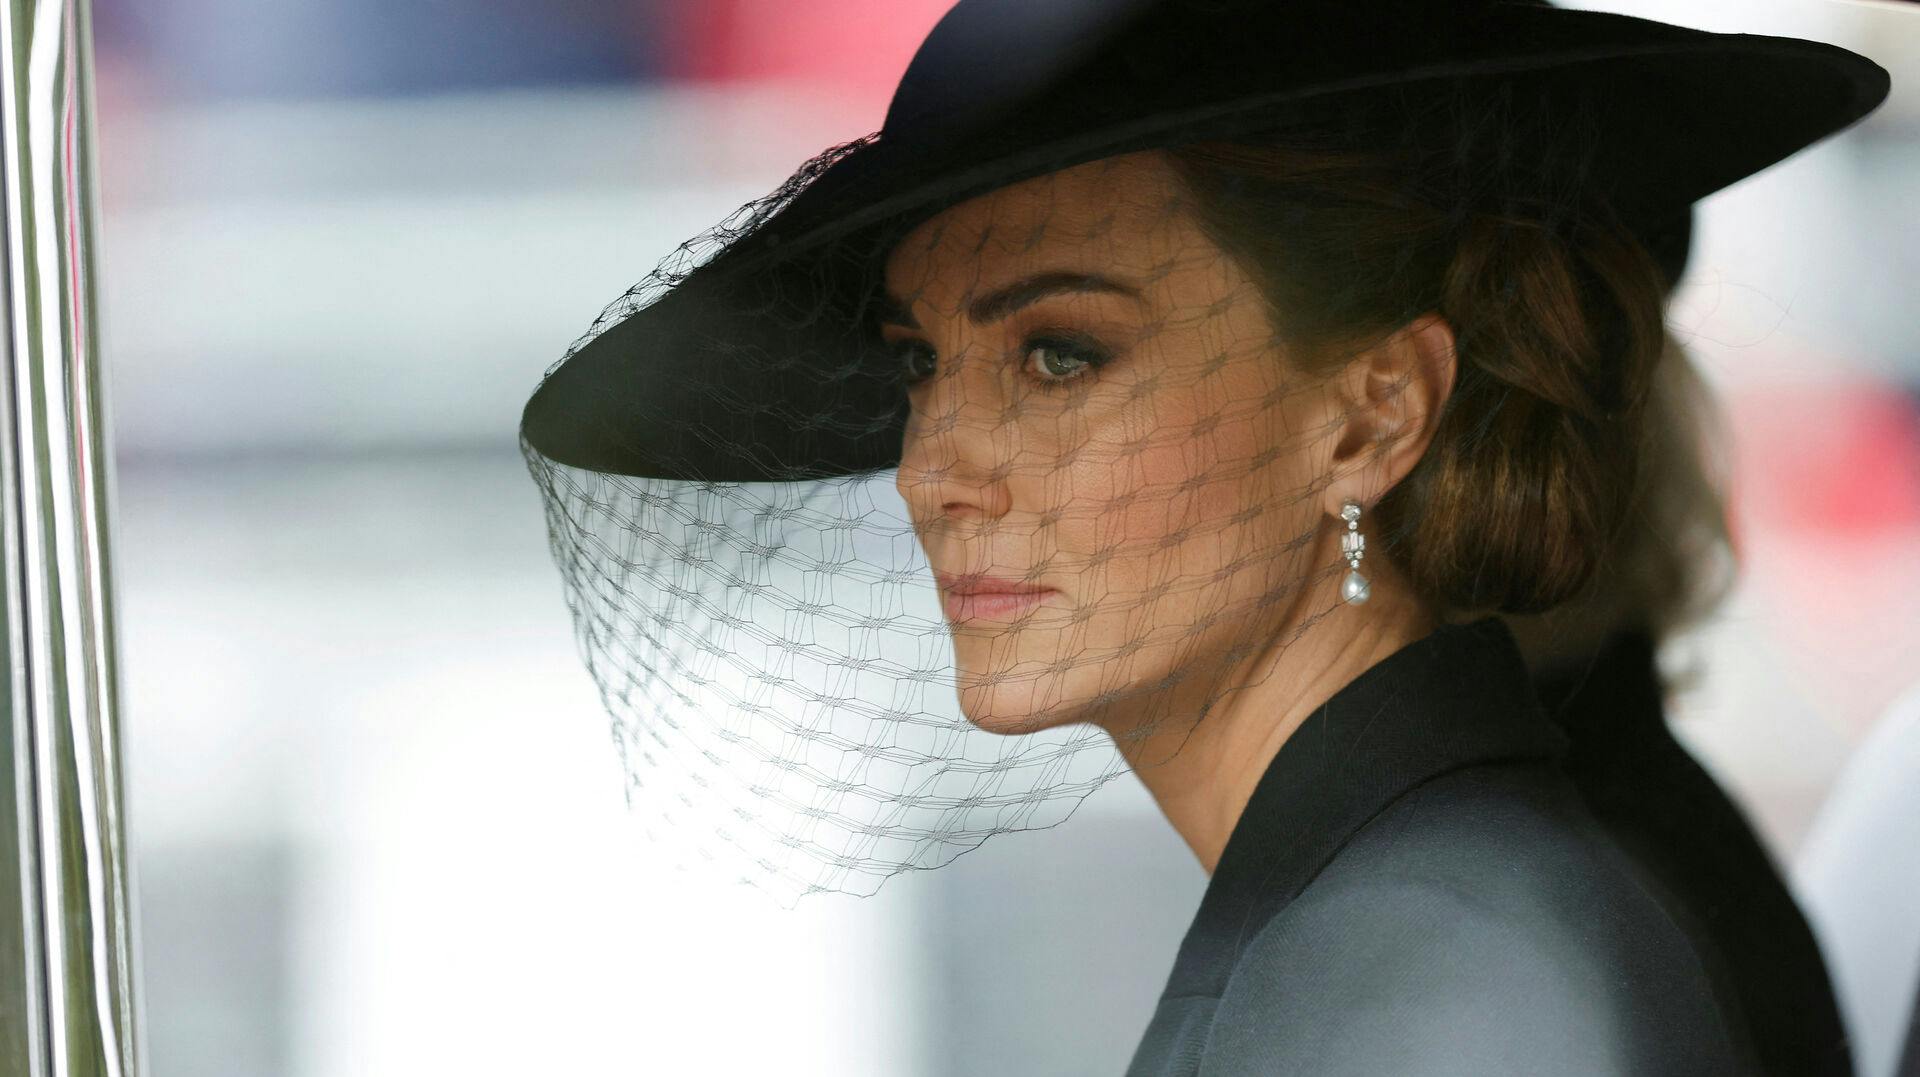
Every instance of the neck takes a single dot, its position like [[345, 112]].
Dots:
[[1202, 775]]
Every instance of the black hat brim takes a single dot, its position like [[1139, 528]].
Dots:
[[748, 369]]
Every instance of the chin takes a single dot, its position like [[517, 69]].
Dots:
[[1006, 693], [1007, 709], [1010, 696]]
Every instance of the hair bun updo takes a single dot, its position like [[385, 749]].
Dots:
[[1558, 312]]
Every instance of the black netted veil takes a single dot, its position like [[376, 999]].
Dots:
[[775, 656], [897, 521], [776, 662]]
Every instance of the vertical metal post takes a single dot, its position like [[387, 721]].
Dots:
[[67, 972]]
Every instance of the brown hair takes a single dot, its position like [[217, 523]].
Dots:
[[1539, 457], [1673, 561]]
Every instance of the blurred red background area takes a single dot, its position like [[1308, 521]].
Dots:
[[854, 47], [1842, 457], [1826, 506]]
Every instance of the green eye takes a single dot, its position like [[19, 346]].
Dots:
[[1059, 358]]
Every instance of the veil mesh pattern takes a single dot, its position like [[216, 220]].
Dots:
[[776, 663], [788, 692], [779, 677]]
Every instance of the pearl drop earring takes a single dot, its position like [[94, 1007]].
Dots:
[[1353, 545]]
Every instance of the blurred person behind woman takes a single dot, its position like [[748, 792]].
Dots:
[[1595, 663]]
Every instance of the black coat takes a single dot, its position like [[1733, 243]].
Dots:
[[1416, 887], [1668, 813]]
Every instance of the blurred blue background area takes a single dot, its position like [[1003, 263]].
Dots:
[[377, 816], [206, 50]]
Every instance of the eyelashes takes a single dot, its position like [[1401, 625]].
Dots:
[[1057, 357], [1047, 358]]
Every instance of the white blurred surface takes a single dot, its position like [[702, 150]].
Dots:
[[370, 661], [1859, 877]]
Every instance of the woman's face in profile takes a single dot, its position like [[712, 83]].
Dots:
[[1107, 462]]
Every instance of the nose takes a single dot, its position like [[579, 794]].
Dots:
[[959, 447]]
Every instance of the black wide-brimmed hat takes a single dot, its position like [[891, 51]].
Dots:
[[887, 529], [747, 358]]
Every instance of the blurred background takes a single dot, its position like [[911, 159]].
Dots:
[[377, 816]]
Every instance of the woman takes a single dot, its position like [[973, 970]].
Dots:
[[1235, 362], [1413, 847]]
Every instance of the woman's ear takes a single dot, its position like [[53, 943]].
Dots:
[[1393, 394]]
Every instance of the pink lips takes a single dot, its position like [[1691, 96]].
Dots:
[[968, 597]]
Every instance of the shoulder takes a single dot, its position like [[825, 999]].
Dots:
[[1472, 929]]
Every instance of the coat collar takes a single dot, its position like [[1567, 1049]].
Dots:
[[1455, 698]]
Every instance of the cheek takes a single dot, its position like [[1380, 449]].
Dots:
[[1169, 510], [1195, 529]]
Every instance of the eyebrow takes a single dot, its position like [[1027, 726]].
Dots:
[[1003, 301]]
